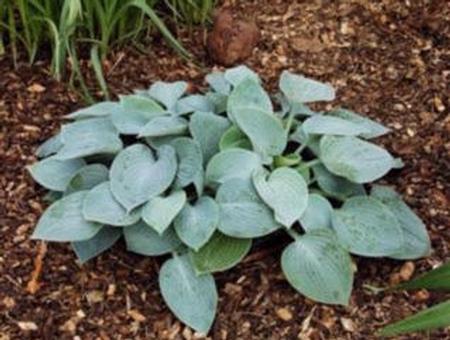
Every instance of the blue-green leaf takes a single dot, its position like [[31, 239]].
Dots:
[[50, 146], [316, 266], [168, 93], [87, 177], [317, 214], [374, 129], [234, 138], [102, 109], [136, 176], [63, 221], [367, 227], [218, 83], [238, 74], [242, 213], [192, 103], [192, 298], [195, 224], [102, 241], [55, 174], [164, 126], [299, 89], [329, 125]]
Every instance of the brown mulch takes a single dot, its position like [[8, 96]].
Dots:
[[388, 59]]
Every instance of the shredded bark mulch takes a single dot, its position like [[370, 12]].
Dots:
[[388, 59]]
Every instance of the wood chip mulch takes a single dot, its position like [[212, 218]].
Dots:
[[388, 59]]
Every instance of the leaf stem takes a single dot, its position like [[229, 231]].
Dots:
[[295, 235], [309, 164], [289, 122]]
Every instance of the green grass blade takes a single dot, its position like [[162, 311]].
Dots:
[[438, 278], [435, 317], [97, 65]]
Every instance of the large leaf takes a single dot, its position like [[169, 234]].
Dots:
[[416, 242], [336, 186], [87, 177], [222, 252], [374, 129], [218, 83], [101, 206], [367, 227], [431, 318], [299, 89], [357, 160], [317, 214], [249, 94], [159, 212], [63, 221], [329, 125], [102, 109], [196, 223], [50, 146], [234, 138], [190, 164], [207, 129], [316, 266], [55, 174], [142, 239], [136, 176], [168, 93], [264, 130], [238, 74], [89, 137], [164, 126], [136, 111], [192, 298], [232, 163], [103, 240], [285, 191], [242, 213], [436, 279], [196, 102]]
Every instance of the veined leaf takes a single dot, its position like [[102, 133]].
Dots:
[[136, 176], [192, 298], [299, 89], [168, 93], [242, 213], [195, 224], [100, 206], [89, 137], [232, 163], [102, 241], [416, 241], [238, 74], [317, 214], [159, 212], [329, 125], [375, 129], [193, 103], [55, 174], [316, 266], [87, 177], [136, 111], [357, 160], [102, 109], [220, 253], [367, 227], [50, 146], [285, 191], [207, 129], [141, 239], [164, 126], [234, 138], [218, 83], [63, 221]]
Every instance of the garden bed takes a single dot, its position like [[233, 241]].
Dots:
[[388, 61]]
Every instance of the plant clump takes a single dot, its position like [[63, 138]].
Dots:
[[199, 176]]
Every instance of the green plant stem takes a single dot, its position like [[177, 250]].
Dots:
[[309, 164], [295, 235]]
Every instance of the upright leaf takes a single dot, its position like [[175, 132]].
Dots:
[[218, 83], [168, 93], [316, 266], [366, 227], [195, 224], [63, 221], [232, 163], [164, 126], [242, 213], [193, 103], [416, 241], [136, 176], [221, 253], [102, 109], [299, 89], [317, 214], [193, 299], [50, 146], [55, 174], [87, 177], [207, 129], [234, 138], [100, 206], [436, 279], [102, 241], [141, 239], [238, 74], [354, 159], [374, 129], [159, 212], [285, 191], [329, 125]]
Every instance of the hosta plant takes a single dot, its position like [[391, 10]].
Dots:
[[197, 177]]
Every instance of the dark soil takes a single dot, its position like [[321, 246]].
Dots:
[[388, 59]]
